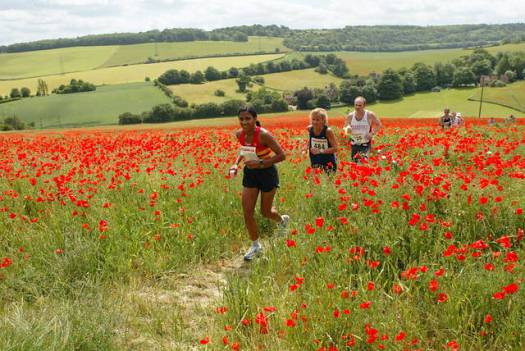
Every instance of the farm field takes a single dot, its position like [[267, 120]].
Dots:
[[363, 63], [99, 107], [132, 240], [512, 95], [59, 61], [139, 53], [294, 80], [202, 93], [136, 73], [103, 107], [55, 61], [428, 104]]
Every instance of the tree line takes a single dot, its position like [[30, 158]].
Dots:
[[323, 63], [239, 34], [349, 38], [404, 38], [263, 100], [393, 84]]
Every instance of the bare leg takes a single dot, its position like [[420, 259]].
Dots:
[[249, 200], [267, 210]]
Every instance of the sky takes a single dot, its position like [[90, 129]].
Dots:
[[29, 20]]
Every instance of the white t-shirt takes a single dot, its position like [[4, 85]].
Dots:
[[360, 129]]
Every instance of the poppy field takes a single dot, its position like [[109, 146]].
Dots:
[[419, 248]]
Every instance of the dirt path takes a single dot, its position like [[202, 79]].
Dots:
[[176, 311]]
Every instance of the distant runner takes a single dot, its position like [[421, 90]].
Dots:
[[362, 125], [445, 121], [260, 152], [322, 143]]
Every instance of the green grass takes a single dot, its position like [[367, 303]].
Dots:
[[65, 60], [139, 53], [294, 80], [432, 104], [56, 61], [83, 109], [513, 95], [136, 73], [291, 80], [201, 93], [363, 63]]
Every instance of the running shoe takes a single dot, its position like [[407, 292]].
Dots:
[[253, 251]]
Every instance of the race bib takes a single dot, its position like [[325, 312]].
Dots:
[[359, 139], [319, 144], [249, 153]]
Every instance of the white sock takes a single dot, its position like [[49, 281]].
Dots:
[[256, 243]]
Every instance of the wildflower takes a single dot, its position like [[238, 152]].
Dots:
[[442, 297]]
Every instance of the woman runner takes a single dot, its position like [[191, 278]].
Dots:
[[260, 152], [322, 144]]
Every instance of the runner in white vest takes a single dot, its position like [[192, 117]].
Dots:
[[361, 125]]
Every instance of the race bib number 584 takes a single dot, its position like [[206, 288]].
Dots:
[[319, 144]]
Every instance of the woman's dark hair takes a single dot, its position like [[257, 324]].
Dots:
[[251, 111]]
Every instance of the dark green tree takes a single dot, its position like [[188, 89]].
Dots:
[[303, 97], [444, 74], [129, 118], [464, 76], [424, 76], [242, 82], [184, 76], [348, 92], [370, 93], [25, 92], [481, 67], [390, 86], [160, 114], [409, 83], [503, 65], [15, 93], [211, 74], [231, 107], [323, 101], [197, 78], [206, 110]]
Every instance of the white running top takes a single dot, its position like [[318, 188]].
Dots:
[[360, 129]]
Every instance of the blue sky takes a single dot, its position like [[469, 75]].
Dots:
[[44, 19]]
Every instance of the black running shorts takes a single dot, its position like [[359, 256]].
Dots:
[[360, 149], [265, 179]]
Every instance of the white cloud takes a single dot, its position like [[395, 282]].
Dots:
[[41, 19]]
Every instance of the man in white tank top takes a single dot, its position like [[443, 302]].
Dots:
[[361, 125]]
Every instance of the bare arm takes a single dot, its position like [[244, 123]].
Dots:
[[348, 122], [268, 140], [239, 158], [375, 124], [330, 135]]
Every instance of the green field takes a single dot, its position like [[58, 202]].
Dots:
[[201, 93], [136, 73], [513, 95], [59, 61], [294, 80], [139, 53], [85, 109], [363, 63], [99, 107], [56, 61]]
